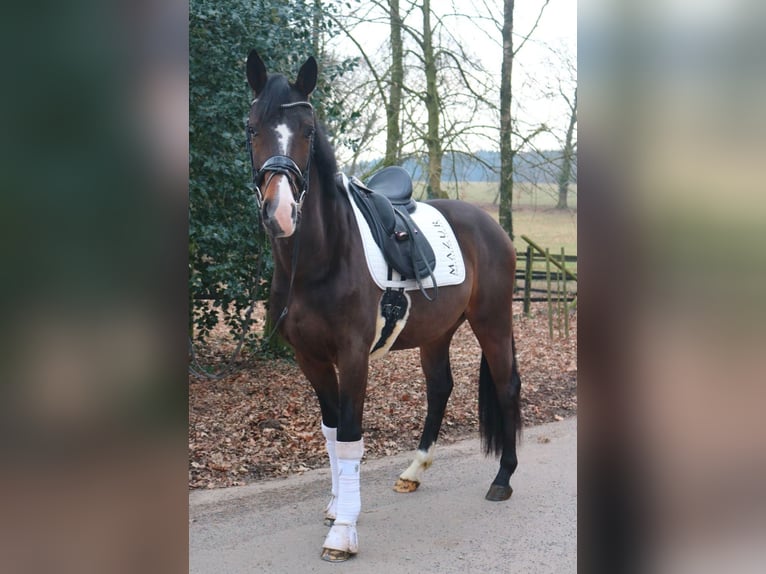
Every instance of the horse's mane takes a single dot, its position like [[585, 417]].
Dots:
[[278, 91], [324, 156]]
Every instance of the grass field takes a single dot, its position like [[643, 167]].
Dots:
[[533, 212]]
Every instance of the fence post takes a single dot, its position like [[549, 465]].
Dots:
[[528, 280], [559, 317], [566, 294], [548, 283], [556, 263]]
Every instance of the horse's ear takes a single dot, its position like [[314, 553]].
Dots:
[[307, 77], [256, 72]]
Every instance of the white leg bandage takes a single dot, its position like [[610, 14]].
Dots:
[[330, 436], [342, 535]]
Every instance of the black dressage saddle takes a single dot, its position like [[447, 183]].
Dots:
[[395, 184], [386, 203]]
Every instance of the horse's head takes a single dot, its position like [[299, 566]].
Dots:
[[280, 133]]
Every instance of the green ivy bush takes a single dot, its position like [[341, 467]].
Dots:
[[225, 242]]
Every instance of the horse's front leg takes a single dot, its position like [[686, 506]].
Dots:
[[342, 542], [321, 375]]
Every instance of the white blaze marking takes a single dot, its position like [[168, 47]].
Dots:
[[284, 201], [284, 134], [284, 205]]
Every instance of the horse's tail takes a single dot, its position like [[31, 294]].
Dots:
[[491, 421]]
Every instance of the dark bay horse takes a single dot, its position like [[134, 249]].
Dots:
[[325, 302]]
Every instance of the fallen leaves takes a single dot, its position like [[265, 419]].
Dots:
[[263, 421]]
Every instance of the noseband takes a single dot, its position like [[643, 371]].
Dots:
[[281, 164]]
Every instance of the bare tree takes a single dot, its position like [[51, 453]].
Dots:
[[362, 122], [430, 82], [387, 79], [568, 154], [394, 104], [433, 108], [558, 84], [454, 90], [507, 152], [448, 101]]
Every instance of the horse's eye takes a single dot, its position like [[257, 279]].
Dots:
[[308, 132]]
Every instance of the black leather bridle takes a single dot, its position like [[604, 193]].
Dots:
[[281, 164], [299, 182]]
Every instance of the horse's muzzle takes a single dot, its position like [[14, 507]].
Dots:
[[275, 221], [280, 210]]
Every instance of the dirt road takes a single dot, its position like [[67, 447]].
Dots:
[[445, 527]]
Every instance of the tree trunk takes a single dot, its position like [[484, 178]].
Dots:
[[506, 149], [394, 105], [315, 20], [566, 161], [433, 141]]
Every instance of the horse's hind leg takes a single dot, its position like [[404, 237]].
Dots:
[[499, 389], [499, 410], [434, 359]]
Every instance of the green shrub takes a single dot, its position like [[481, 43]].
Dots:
[[224, 239]]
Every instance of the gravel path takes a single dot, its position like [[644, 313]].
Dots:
[[446, 527]]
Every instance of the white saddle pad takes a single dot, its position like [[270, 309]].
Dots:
[[450, 267]]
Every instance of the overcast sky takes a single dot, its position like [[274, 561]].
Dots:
[[532, 68]]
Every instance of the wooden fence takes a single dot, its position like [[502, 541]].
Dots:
[[549, 277]]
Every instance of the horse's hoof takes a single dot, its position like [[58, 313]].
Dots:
[[332, 555], [406, 485], [328, 521], [498, 493], [341, 542]]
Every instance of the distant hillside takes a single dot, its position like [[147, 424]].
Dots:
[[532, 167]]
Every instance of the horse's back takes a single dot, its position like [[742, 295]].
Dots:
[[481, 238]]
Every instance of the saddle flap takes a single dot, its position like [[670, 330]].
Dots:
[[384, 210]]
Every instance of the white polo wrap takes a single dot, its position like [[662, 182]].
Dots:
[[330, 435], [343, 535]]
